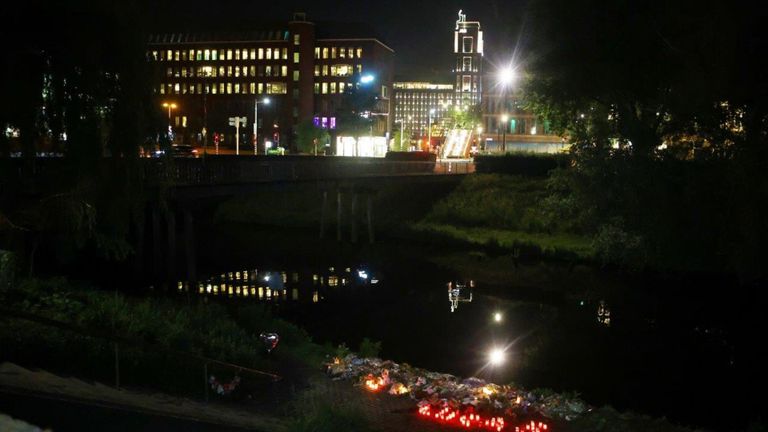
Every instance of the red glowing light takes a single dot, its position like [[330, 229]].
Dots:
[[476, 421]]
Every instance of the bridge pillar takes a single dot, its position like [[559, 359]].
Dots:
[[170, 220], [190, 251], [353, 218], [338, 214]]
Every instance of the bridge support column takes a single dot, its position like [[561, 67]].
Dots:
[[338, 214], [190, 251], [369, 214], [170, 220], [156, 242], [353, 218], [323, 211]]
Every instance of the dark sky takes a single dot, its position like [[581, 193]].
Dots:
[[420, 31]]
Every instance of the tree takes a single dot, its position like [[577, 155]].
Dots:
[[309, 137]]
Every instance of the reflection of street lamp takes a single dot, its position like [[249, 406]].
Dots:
[[429, 131], [256, 103]]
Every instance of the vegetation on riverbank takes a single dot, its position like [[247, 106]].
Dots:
[[156, 330]]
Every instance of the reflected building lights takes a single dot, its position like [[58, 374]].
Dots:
[[459, 292], [603, 314]]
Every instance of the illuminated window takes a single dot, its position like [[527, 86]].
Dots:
[[162, 88], [183, 55], [317, 88], [268, 70], [276, 53], [333, 52], [176, 55], [237, 88], [333, 87], [183, 72], [191, 89], [341, 70], [276, 88], [221, 55], [229, 88], [237, 71], [285, 53], [261, 53], [466, 64], [295, 57], [359, 52], [269, 54], [325, 88], [191, 55], [342, 52], [229, 71], [154, 55], [351, 52], [221, 71], [214, 55], [207, 54], [261, 88], [221, 88], [325, 52], [341, 87], [295, 75], [466, 44], [359, 68], [296, 39], [245, 71], [317, 70], [466, 83], [162, 55], [169, 72], [325, 70], [214, 89], [244, 54], [229, 54], [253, 88], [176, 88], [317, 52], [253, 70], [284, 71]]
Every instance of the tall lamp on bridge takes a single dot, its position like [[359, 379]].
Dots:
[[256, 103]]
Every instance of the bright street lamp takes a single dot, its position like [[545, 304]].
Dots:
[[170, 106], [256, 103], [507, 76]]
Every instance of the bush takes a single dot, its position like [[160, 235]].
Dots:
[[369, 348], [614, 245]]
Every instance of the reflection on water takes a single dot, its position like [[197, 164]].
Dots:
[[268, 285], [459, 292], [603, 314]]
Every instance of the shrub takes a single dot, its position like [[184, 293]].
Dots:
[[369, 348]]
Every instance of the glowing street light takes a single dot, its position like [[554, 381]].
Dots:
[[256, 103], [367, 79], [496, 357], [507, 76], [497, 317], [170, 106]]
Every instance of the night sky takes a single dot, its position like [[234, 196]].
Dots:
[[420, 31]]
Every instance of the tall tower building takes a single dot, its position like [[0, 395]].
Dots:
[[468, 50]]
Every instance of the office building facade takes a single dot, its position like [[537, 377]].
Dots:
[[300, 67]]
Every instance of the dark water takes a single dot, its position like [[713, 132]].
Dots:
[[688, 349]]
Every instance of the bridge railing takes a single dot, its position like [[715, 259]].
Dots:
[[232, 170]]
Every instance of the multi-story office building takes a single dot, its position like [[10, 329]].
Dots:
[[419, 104], [303, 69], [468, 53]]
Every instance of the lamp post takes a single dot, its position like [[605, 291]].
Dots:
[[506, 78], [429, 129], [170, 106], [504, 120], [256, 103]]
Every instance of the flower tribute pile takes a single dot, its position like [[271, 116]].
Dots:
[[471, 403]]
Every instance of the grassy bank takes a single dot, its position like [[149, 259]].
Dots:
[[504, 214]]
